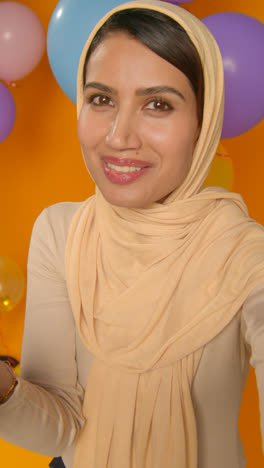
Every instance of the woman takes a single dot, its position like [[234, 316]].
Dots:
[[136, 347]]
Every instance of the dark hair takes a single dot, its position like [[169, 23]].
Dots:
[[162, 35]]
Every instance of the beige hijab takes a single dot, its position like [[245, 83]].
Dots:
[[151, 287]]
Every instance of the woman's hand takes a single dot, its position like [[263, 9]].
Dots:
[[7, 382]]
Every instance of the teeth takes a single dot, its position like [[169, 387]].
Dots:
[[123, 168]]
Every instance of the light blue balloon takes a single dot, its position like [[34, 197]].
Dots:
[[70, 25]]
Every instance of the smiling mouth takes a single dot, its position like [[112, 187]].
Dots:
[[124, 168], [123, 174], [118, 163]]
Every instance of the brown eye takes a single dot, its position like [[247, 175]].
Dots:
[[100, 100], [158, 105]]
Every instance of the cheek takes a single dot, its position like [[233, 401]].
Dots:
[[175, 135], [91, 129], [83, 133]]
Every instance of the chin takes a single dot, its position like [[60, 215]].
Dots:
[[126, 202]]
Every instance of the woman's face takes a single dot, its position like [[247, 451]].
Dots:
[[139, 115]]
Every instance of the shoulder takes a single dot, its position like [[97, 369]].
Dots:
[[58, 216], [49, 236], [56, 219]]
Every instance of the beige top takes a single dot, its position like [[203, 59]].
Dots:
[[57, 363]]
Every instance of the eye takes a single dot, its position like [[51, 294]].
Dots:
[[158, 105], [100, 100]]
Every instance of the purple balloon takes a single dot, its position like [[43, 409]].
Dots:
[[7, 112], [241, 41]]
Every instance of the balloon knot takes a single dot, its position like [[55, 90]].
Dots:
[[10, 83]]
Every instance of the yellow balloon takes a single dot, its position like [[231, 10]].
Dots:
[[221, 172], [12, 284]]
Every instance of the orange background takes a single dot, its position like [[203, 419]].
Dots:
[[41, 164]]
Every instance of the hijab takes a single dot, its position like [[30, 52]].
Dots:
[[149, 288]]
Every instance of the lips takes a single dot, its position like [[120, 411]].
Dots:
[[125, 162], [120, 177]]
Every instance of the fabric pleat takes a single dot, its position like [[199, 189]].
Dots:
[[148, 417], [150, 288]]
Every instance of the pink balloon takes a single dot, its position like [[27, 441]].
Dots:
[[22, 40]]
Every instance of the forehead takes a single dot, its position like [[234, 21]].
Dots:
[[122, 59], [118, 46]]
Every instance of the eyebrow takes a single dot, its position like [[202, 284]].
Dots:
[[139, 92], [158, 90], [100, 87]]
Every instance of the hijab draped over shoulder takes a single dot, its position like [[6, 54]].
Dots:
[[151, 287]]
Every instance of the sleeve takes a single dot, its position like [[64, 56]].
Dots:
[[44, 414], [252, 322]]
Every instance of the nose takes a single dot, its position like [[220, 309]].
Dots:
[[123, 131]]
